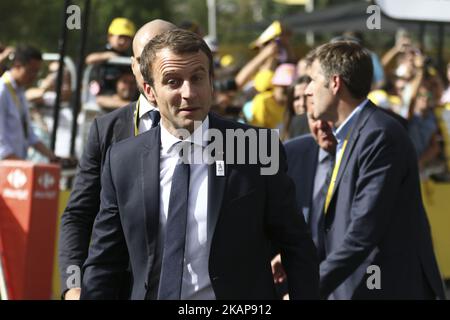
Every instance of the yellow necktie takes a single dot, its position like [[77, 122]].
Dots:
[[335, 173], [136, 118]]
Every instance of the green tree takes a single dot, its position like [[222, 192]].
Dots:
[[104, 11], [30, 21], [38, 22], [190, 10]]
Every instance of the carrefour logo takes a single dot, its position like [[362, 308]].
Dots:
[[46, 180], [17, 178]]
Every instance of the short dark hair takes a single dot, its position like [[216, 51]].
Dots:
[[350, 61], [302, 79], [24, 54], [178, 41], [124, 70]]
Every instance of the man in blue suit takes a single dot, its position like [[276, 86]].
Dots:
[[84, 203], [374, 219], [310, 160], [193, 230]]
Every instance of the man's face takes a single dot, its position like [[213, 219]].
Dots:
[[321, 131], [322, 92], [27, 73], [119, 43], [126, 87], [182, 88], [135, 61], [400, 84], [300, 99], [424, 100]]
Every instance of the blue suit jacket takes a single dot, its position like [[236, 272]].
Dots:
[[376, 217], [247, 213], [302, 153]]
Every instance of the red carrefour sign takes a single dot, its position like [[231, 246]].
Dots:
[[28, 219]]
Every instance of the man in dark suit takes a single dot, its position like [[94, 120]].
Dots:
[[377, 237], [310, 159], [84, 203], [201, 230]]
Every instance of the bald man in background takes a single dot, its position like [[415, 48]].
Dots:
[[84, 203]]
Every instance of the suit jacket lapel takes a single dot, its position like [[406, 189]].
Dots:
[[358, 125], [150, 167], [125, 125], [216, 184], [150, 160], [310, 173]]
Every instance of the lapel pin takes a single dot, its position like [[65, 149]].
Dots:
[[220, 168]]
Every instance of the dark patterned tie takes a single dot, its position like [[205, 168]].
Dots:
[[155, 116], [174, 243], [316, 221]]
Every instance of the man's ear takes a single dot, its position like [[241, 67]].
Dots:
[[149, 93], [336, 83], [135, 68], [134, 65]]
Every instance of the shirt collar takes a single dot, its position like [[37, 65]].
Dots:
[[145, 106], [199, 137], [323, 155], [341, 132]]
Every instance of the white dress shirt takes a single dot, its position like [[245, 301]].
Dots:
[[145, 123], [196, 283]]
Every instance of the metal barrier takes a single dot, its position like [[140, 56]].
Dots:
[[69, 64]]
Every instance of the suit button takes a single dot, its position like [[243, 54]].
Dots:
[[214, 278], [327, 230]]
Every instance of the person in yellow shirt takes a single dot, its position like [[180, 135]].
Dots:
[[267, 107]]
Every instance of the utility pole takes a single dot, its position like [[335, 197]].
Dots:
[[309, 7], [212, 24]]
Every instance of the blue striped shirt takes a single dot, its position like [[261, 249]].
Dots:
[[12, 137], [341, 132]]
